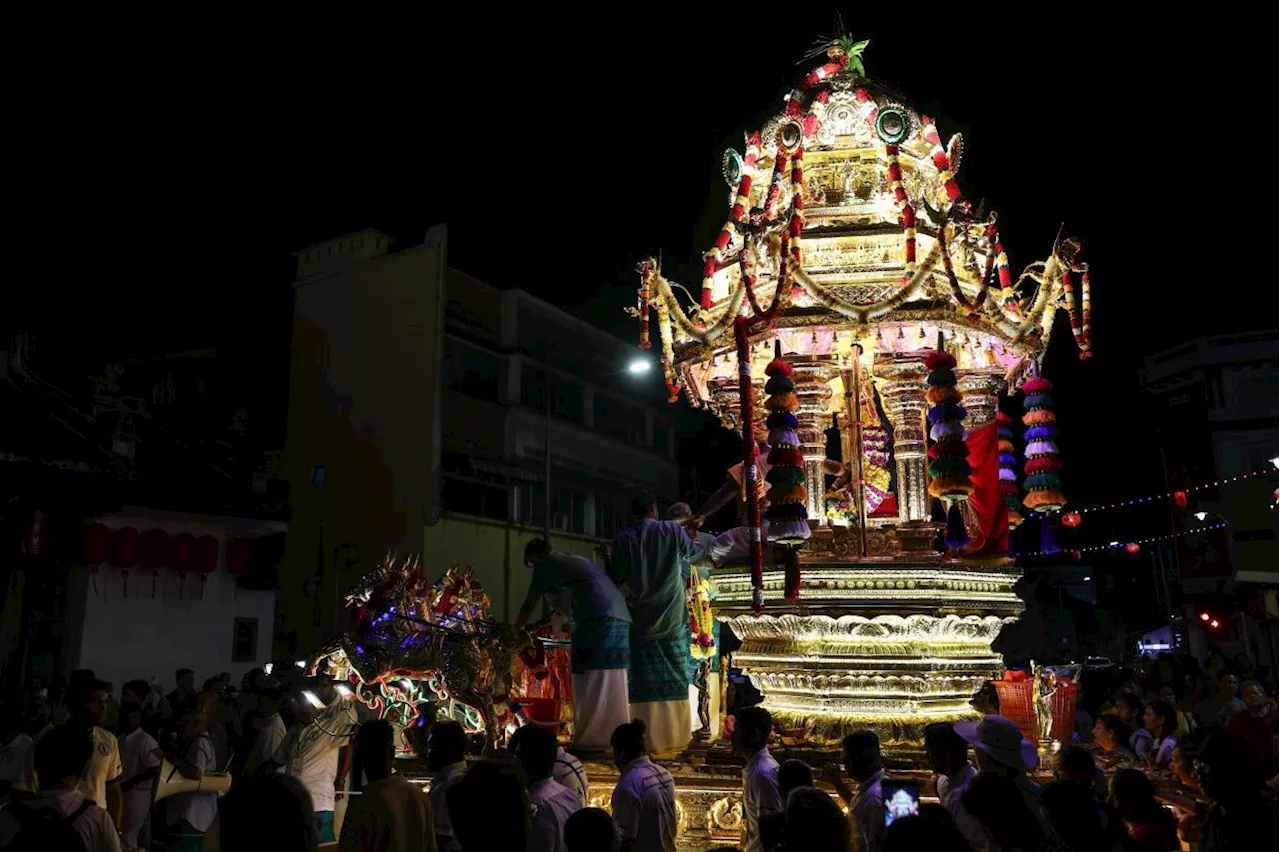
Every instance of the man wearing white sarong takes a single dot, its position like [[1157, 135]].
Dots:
[[600, 639], [650, 564]]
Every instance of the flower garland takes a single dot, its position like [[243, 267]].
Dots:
[[1008, 298], [742, 345], [949, 465], [796, 225], [940, 159], [875, 466], [969, 309], [1043, 482], [1079, 315], [668, 351], [741, 202], [905, 209], [1008, 468], [642, 308], [701, 623]]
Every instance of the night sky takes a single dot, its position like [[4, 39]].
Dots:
[[164, 191]]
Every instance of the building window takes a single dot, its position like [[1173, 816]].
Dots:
[[566, 395], [468, 496], [661, 438], [244, 641], [613, 514], [568, 510], [471, 370]]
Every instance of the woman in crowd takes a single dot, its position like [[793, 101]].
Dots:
[[1111, 738], [1161, 720], [1151, 826]]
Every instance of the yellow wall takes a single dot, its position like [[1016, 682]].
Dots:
[[495, 552]]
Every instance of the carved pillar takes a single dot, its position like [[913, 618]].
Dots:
[[981, 389], [724, 399], [811, 377], [902, 389]]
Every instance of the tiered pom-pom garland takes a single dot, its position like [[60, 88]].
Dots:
[[787, 514], [949, 455], [1043, 482], [1008, 468]]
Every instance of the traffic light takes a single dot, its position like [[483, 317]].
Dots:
[[1209, 620]]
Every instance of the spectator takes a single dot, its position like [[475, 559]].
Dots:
[[1112, 738], [489, 809], [150, 697], [1076, 818], [1001, 808], [1218, 708], [316, 749], [986, 700], [1239, 816], [189, 815], [569, 772], [1000, 749], [644, 800], [183, 699], [1256, 724], [1151, 826], [1129, 709], [208, 704], [1076, 766], [1169, 695], [815, 823], [267, 741], [792, 775], [550, 803], [860, 751], [761, 797], [269, 812], [139, 758], [1162, 721], [86, 703], [446, 758], [390, 814], [591, 830], [60, 815], [948, 756]]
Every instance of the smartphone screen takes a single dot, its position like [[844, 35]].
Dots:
[[901, 799]]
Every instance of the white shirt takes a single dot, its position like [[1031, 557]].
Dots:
[[94, 826], [440, 784], [550, 806], [569, 772], [644, 806], [867, 810], [198, 809], [950, 790], [137, 755], [761, 796], [104, 766], [1162, 752], [734, 546], [268, 745], [15, 763], [313, 751]]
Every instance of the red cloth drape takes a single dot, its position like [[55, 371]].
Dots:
[[987, 499]]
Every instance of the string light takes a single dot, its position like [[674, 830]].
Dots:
[[1168, 495], [1119, 545]]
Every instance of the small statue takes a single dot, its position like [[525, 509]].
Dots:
[[704, 699], [1045, 689]]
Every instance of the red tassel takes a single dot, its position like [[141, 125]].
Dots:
[[785, 457], [791, 590], [778, 367], [938, 359]]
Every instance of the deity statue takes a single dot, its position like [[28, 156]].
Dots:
[[1045, 687], [704, 699]]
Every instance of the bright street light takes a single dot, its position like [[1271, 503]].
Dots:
[[1087, 579], [1200, 516], [1276, 462], [639, 366]]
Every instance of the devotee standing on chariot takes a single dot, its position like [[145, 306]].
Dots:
[[600, 640], [650, 564]]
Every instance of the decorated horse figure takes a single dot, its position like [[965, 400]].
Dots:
[[404, 627]]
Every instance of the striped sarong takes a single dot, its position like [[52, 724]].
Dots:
[[598, 644], [659, 668]]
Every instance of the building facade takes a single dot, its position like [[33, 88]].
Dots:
[[1215, 402], [418, 424]]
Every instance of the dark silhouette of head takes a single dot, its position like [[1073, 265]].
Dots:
[[861, 752], [535, 551], [814, 822], [376, 749], [644, 505], [267, 812], [62, 756], [488, 807], [446, 744], [793, 774], [591, 830], [536, 751], [946, 750], [628, 742], [919, 833], [752, 726]]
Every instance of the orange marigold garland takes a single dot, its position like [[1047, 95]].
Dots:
[[1043, 482]]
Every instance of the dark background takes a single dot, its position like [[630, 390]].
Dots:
[[163, 171]]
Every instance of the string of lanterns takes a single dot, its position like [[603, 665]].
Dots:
[[126, 549], [1129, 547], [1179, 496]]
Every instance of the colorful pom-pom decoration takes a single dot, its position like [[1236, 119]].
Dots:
[[788, 517], [950, 455], [1043, 481], [1008, 468]]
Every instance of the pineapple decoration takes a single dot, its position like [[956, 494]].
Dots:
[[949, 456], [1008, 468], [1043, 482], [787, 515]]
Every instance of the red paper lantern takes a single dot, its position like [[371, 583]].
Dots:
[[1180, 499], [97, 538], [205, 555], [35, 539], [124, 548], [1071, 519], [154, 549], [1132, 547], [181, 551], [237, 556]]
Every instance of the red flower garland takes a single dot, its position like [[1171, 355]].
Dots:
[[749, 472], [907, 212], [967, 308]]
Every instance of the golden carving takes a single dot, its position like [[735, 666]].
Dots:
[[726, 813]]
